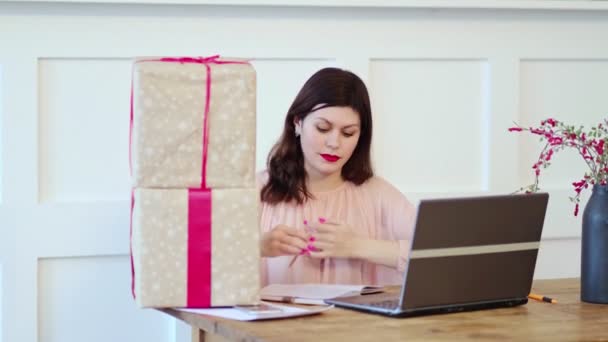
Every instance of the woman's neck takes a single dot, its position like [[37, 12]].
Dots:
[[324, 183]]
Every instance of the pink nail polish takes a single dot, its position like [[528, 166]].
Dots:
[[303, 251], [312, 239], [305, 222], [322, 220], [311, 248]]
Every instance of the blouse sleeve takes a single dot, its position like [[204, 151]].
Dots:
[[398, 219]]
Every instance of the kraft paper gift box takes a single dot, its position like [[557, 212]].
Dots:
[[195, 248], [193, 119]]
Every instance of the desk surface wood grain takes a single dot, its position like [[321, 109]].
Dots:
[[568, 320]]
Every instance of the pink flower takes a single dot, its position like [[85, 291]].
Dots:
[[579, 184], [551, 122], [556, 141], [537, 131], [599, 147], [592, 146]]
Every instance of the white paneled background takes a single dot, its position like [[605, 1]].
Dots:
[[1, 116], [74, 124], [410, 111], [446, 83], [98, 279], [1, 305]]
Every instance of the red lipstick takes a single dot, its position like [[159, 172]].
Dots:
[[330, 157]]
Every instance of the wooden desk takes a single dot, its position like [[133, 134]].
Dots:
[[569, 320]]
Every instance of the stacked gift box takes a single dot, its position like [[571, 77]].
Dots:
[[194, 228]]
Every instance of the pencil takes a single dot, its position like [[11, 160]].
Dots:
[[293, 260], [304, 250], [542, 298]]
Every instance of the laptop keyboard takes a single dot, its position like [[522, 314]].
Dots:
[[390, 304]]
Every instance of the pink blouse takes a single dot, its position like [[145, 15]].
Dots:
[[374, 209]]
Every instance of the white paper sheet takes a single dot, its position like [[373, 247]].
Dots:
[[313, 293], [243, 315]]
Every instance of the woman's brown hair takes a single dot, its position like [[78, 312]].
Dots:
[[328, 87]]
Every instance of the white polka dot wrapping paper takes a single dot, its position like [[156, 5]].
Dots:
[[195, 248], [170, 97], [194, 225]]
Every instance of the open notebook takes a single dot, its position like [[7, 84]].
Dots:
[[313, 293]]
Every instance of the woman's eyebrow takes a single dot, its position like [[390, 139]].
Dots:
[[330, 123]]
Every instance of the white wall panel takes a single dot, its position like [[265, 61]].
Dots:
[[430, 123], [279, 81], [560, 258], [8, 297], [467, 4], [1, 305], [445, 85], [560, 221], [88, 299], [573, 91], [20, 134], [83, 125], [2, 162]]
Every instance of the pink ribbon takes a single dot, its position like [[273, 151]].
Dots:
[[199, 248], [131, 244], [199, 201], [200, 60]]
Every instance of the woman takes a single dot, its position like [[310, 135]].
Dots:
[[325, 217]]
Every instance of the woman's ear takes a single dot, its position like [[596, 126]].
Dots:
[[297, 124]]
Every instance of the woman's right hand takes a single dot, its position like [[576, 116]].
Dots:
[[283, 240]]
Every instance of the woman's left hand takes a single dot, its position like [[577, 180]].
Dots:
[[333, 240]]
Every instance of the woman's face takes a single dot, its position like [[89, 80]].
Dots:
[[328, 137]]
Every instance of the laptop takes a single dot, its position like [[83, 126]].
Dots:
[[466, 254]]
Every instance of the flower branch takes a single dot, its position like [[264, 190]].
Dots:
[[592, 146]]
